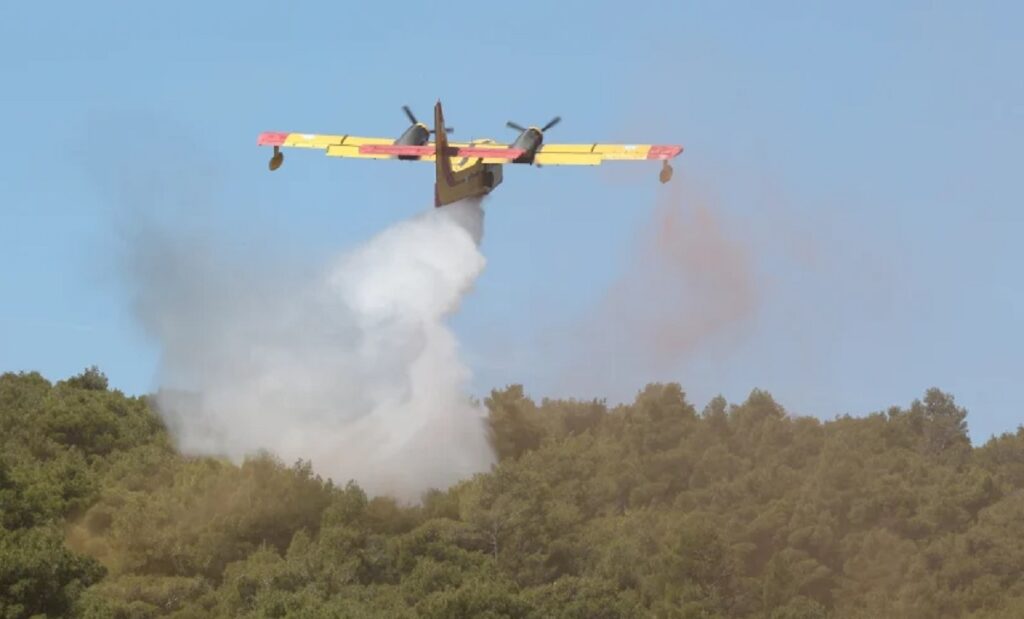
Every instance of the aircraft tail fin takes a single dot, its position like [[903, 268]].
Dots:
[[443, 163], [470, 177]]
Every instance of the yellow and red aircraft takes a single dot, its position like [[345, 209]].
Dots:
[[466, 170]]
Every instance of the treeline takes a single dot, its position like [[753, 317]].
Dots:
[[651, 509]]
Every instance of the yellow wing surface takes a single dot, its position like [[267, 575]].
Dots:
[[385, 148], [334, 145], [594, 154]]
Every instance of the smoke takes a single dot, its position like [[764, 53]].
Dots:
[[350, 365], [688, 283]]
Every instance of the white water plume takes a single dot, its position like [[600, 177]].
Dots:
[[353, 367]]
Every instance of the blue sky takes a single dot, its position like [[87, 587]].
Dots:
[[867, 155]]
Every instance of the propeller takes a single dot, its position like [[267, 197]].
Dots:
[[408, 112], [551, 123], [412, 119]]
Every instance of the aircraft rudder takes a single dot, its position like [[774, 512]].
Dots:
[[442, 159]]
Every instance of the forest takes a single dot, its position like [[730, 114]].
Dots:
[[657, 508]]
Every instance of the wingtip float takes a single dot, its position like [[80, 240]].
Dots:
[[468, 169], [276, 159]]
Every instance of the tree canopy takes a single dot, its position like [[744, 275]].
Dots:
[[653, 509]]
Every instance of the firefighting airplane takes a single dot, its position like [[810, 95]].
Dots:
[[466, 170]]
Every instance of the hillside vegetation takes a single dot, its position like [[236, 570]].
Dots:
[[653, 509]]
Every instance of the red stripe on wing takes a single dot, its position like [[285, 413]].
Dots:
[[272, 138], [664, 152], [489, 153], [395, 149], [420, 151]]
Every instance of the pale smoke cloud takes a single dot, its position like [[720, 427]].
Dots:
[[351, 366], [690, 282], [688, 287]]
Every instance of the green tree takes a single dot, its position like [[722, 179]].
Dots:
[[647, 509], [514, 422], [39, 575]]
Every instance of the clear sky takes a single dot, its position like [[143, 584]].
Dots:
[[867, 155]]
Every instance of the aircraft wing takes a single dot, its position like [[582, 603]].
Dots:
[[594, 154], [334, 145], [384, 148]]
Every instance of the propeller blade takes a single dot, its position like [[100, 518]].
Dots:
[[513, 125], [554, 121], [448, 129], [409, 113]]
